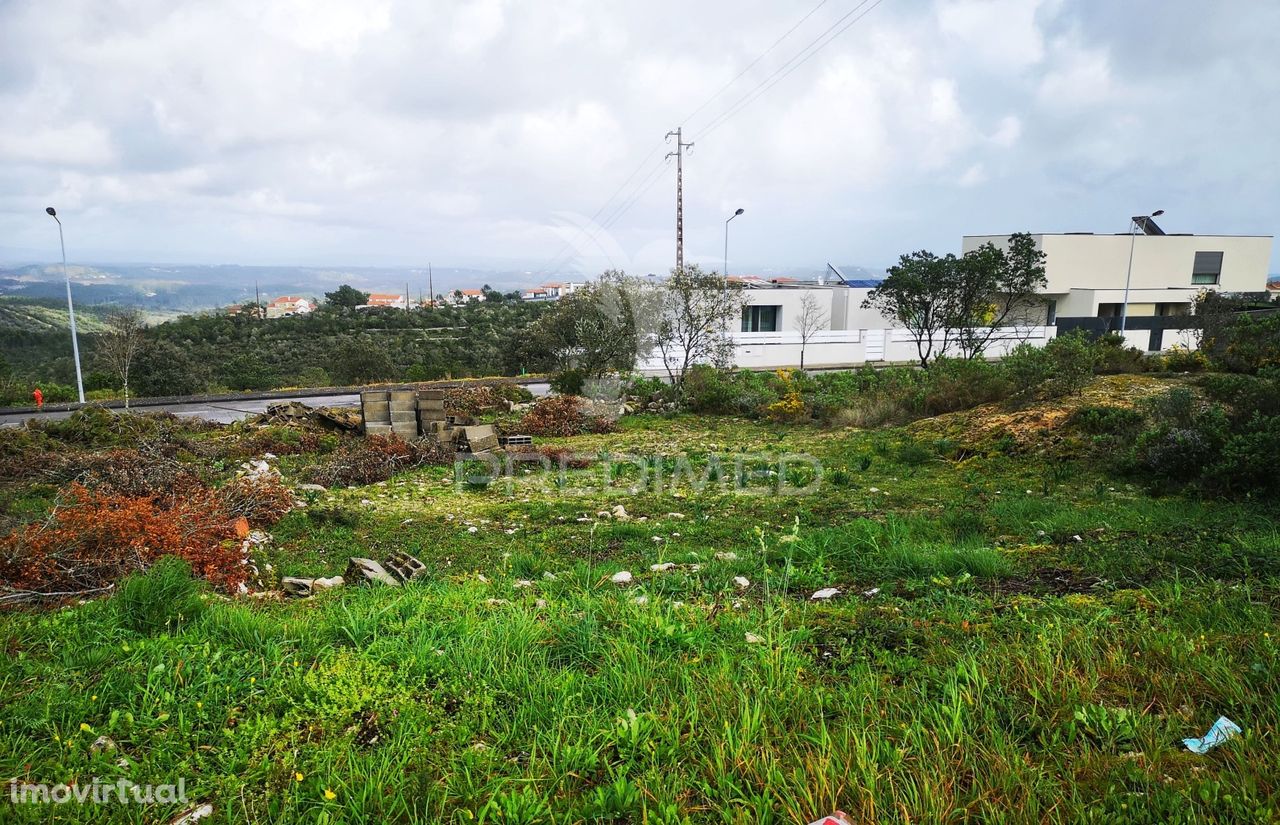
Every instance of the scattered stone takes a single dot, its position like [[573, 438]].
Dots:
[[297, 588], [368, 571], [522, 583], [742, 582], [312, 488], [620, 513], [540, 603], [872, 592], [675, 515], [727, 556], [621, 577], [404, 566], [549, 576], [192, 815], [662, 567], [102, 743], [825, 593], [641, 600], [496, 602], [328, 584], [753, 639]]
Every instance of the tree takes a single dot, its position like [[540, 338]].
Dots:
[[811, 320], [346, 297], [360, 361], [164, 369], [696, 311], [995, 289], [121, 342], [594, 329], [919, 293]]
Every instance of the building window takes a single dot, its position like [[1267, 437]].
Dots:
[[1051, 312], [760, 319], [1109, 310], [1207, 268]]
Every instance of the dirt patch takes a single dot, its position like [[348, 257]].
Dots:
[[1049, 581], [1039, 426]]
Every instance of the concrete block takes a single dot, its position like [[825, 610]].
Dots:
[[368, 571], [404, 566]]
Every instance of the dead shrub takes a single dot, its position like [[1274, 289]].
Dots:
[[560, 416], [565, 457], [377, 458], [92, 539], [262, 499], [473, 400], [129, 473]]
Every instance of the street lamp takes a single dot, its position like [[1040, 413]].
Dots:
[[1133, 234], [71, 310], [726, 245]]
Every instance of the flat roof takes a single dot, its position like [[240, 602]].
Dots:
[[1122, 234]]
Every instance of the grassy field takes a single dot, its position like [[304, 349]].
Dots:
[[1015, 640]]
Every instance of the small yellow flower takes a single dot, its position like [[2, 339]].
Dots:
[[330, 795], [93, 698], [298, 776], [200, 705], [84, 726], [253, 679]]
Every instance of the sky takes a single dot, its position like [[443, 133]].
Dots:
[[531, 135]]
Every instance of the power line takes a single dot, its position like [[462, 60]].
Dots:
[[752, 64], [797, 60]]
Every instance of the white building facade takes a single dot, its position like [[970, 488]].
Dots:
[[1086, 279]]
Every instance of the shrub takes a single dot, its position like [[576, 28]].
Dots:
[[561, 416], [709, 390], [568, 382], [958, 384], [1248, 460], [130, 473], [1027, 367], [790, 406], [1245, 343], [648, 389], [1072, 359], [377, 458], [162, 598], [1115, 357], [260, 498], [1176, 408], [1243, 394], [1180, 359], [472, 400], [91, 540], [1106, 420]]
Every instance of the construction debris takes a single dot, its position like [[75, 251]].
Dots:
[[404, 566], [295, 413], [368, 571]]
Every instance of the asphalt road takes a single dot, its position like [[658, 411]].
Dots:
[[229, 411]]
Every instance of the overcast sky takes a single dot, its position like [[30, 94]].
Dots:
[[395, 133]]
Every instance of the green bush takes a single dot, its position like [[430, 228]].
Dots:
[[954, 384], [1243, 394], [569, 382], [711, 391], [1115, 357], [1106, 420], [162, 598], [1026, 367]]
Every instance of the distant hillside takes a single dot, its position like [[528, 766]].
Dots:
[[28, 315]]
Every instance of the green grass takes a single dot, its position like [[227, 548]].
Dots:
[[1005, 670]]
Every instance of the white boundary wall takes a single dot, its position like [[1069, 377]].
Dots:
[[838, 349]]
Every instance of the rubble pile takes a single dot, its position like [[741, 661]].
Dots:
[[399, 569]]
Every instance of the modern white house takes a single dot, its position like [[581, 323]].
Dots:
[[386, 299], [552, 291], [1085, 273], [1086, 276]]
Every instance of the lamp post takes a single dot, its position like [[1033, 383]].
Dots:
[[71, 310], [726, 241], [1133, 235]]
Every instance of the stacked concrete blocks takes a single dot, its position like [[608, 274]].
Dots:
[[375, 409], [404, 413]]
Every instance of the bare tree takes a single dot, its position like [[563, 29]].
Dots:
[[121, 342], [811, 320], [697, 312]]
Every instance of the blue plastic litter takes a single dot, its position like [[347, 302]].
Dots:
[[1222, 730]]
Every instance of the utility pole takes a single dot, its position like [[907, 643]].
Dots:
[[679, 154], [71, 310], [431, 288], [257, 302], [406, 296]]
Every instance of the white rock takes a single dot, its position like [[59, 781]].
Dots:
[[549, 576], [540, 603], [753, 639], [496, 602], [675, 515], [1076, 538], [621, 577], [825, 593], [482, 578], [657, 539], [727, 556], [620, 512], [193, 815], [869, 593], [662, 567], [641, 600], [473, 529], [742, 582], [522, 583]]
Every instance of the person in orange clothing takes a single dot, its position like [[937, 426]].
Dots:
[[39, 397]]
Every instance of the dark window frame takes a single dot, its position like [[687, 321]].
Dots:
[[753, 319], [1206, 268]]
